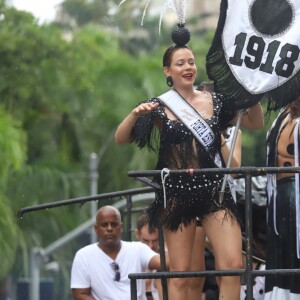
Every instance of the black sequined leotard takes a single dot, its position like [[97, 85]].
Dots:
[[188, 197]]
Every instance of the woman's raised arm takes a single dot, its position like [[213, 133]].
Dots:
[[123, 132]]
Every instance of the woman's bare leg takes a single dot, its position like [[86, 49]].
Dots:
[[197, 264], [224, 235], [180, 246]]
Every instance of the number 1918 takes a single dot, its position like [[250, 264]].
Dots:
[[256, 47]]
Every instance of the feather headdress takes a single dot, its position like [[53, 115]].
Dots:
[[180, 34]]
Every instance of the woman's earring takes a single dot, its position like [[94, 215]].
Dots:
[[170, 81]]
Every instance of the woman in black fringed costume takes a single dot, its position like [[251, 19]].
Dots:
[[153, 124], [283, 237]]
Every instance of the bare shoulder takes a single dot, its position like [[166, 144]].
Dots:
[[203, 94], [204, 103]]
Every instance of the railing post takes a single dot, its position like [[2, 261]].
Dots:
[[94, 190], [249, 238], [129, 209], [34, 284], [133, 289], [163, 262]]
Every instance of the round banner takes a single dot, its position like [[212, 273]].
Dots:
[[256, 51]]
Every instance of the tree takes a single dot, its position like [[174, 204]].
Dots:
[[69, 104], [82, 12], [13, 154]]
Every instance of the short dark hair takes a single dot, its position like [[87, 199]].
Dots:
[[142, 221], [167, 58]]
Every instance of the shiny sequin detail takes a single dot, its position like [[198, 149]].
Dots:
[[188, 197]]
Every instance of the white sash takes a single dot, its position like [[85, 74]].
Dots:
[[230, 131], [192, 120]]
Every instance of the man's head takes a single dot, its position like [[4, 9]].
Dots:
[[145, 234], [108, 227]]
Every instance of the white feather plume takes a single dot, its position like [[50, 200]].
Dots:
[[179, 6]]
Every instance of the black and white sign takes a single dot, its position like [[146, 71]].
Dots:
[[259, 41]]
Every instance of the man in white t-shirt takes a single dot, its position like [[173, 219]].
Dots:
[[100, 271]]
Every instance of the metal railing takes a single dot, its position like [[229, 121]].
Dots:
[[122, 200], [247, 274]]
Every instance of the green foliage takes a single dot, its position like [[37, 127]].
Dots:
[[200, 45], [9, 236], [12, 145], [27, 54], [12, 148], [84, 11]]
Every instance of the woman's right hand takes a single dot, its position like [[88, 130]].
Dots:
[[144, 108], [123, 133]]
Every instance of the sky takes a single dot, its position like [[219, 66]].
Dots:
[[43, 10]]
